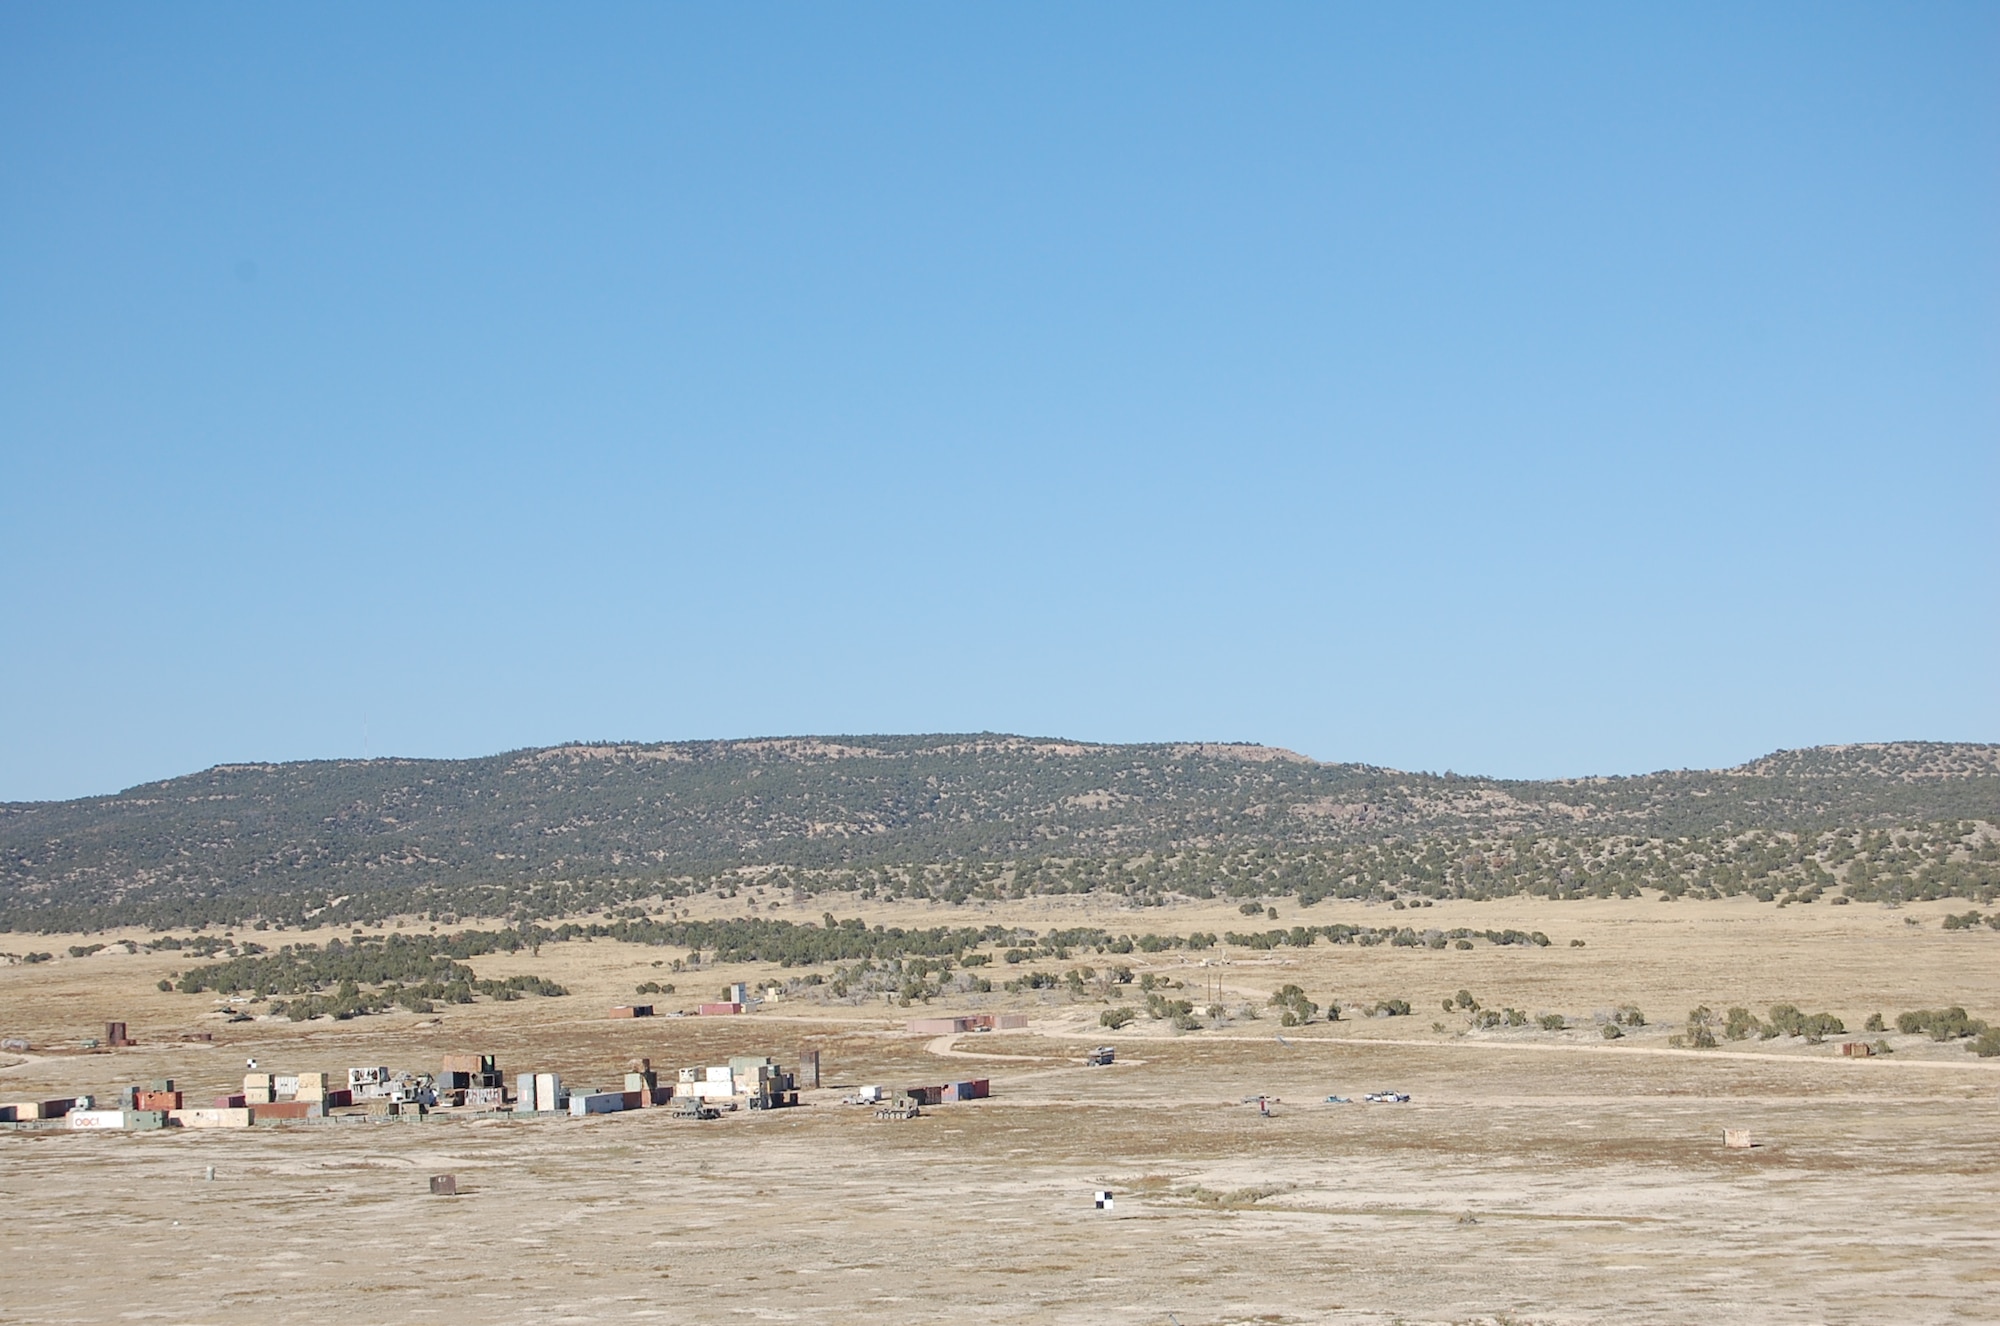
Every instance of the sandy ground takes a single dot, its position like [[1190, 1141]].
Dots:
[[1534, 1177]]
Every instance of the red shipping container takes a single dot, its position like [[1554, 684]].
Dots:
[[156, 1100], [234, 1102], [714, 1010], [286, 1109]]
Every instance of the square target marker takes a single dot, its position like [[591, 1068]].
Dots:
[[1103, 1199]]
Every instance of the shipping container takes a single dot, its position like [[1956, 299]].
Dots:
[[210, 1118], [287, 1109], [936, 1026]]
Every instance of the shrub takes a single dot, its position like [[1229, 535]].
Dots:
[[1874, 1023], [1611, 1032], [1700, 1034], [1946, 1024], [1628, 1015], [1392, 1008], [1815, 1027], [1987, 1045], [1115, 1018], [1739, 1024], [1462, 943], [1552, 1021], [1298, 1009]]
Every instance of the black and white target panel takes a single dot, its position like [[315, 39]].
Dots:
[[1103, 1199]]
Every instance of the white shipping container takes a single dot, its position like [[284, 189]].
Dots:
[[285, 1085], [718, 1074], [548, 1092], [210, 1118], [597, 1102], [96, 1119]]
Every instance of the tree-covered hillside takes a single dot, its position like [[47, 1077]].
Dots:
[[543, 833]]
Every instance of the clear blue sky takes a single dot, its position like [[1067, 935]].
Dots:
[[1528, 390]]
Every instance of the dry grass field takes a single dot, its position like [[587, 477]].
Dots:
[[1535, 1176]]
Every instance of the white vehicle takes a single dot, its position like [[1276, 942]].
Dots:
[[1387, 1098]]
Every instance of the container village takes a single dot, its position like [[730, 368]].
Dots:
[[476, 1086]]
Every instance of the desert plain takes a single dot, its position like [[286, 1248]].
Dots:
[[1533, 1176]]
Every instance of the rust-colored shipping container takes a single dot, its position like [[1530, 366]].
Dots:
[[720, 1010], [156, 1100], [233, 1102], [286, 1109]]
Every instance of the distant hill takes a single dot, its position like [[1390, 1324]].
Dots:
[[543, 832]]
